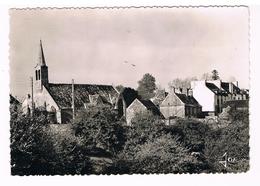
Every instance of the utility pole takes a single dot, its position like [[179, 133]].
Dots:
[[32, 95], [73, 101]]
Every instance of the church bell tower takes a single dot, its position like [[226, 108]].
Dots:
[[41, 72]]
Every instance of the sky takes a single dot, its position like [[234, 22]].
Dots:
[[118, 46]]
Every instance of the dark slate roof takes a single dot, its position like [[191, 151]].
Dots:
[[13, 100], [97, 99], [151, 106], [61, 93], [225, 86], [236, 89], [187, 99], [215, 89]]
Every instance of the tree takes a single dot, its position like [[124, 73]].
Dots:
[[36, 150], [182, 83], [206, 76], [146, 86], [152, 148], [215, 75], [120, 88], [129, 95], [232, 140], [28, 146], [164, 154], [100, 129]]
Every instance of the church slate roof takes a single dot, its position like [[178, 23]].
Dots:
[[61, 93], [189, 100]]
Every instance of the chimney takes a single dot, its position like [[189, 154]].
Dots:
[[189, 92], [230, 88], [179, 90], [172, 89], [186, 90], [235, 83]]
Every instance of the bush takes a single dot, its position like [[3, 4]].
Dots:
[[232, 140], [100, 128], [34, 150], [27, 142], [192, 133], [152, 147]]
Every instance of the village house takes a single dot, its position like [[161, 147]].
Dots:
[[56, 98], [15, 104], [213, 94], [180, 103], [139, 106], [129, 103], [125, 98]]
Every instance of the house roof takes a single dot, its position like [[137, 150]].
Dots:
[[128, 95], [61, 93], [97, 99], [187, 99], [151, 106], [13, 100], [215, 89], [225, 86]]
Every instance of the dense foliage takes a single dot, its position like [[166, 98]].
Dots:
[[99, 143], [146, 86], [215, 75], [36, 151], [100, 128]]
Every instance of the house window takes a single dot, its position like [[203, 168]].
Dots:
[[36, 74]]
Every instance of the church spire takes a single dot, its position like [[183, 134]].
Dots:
[[41, 56], [41, 72]]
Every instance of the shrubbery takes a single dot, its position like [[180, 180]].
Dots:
[[147, 146], [34, 151]]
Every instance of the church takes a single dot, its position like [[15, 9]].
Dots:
[[60, 99]]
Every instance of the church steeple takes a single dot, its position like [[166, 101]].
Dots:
[[41, 56], [41, 71]]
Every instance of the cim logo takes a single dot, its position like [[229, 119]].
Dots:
[[225, 160]]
